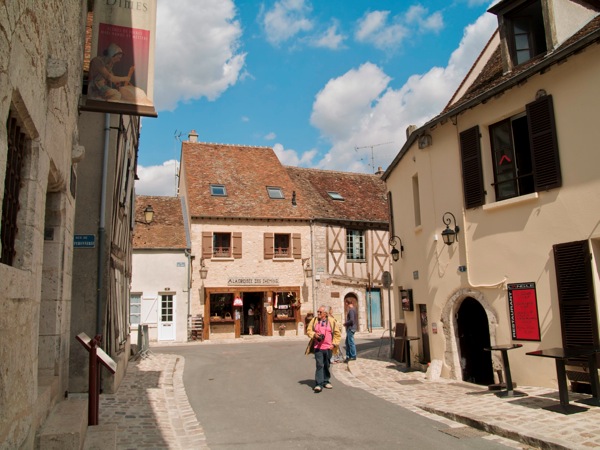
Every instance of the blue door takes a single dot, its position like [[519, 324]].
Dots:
[[374, 308]]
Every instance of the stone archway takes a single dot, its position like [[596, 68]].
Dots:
[[450, 327]]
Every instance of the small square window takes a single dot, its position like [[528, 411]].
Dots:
[[335, 195], [218, 190], [275, 192]]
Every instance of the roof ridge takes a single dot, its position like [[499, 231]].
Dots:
[[229, 145]]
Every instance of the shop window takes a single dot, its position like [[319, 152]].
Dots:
[[285, 304], [355, 244], [221, 306]]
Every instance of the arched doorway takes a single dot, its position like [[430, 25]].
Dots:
[[473, 335]]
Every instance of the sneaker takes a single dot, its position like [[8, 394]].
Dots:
[[328, 386], [352, 359], [317, 389]]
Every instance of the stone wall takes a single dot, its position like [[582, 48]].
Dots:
[[40, 84]]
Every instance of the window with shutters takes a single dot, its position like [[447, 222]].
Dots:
[[524, 151], [576, 297], [282, 246], [135, 308], [221, 245]]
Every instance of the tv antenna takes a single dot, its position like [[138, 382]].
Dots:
[[356, 149], [177, 137]]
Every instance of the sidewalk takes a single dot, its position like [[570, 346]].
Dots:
[[520, 419]]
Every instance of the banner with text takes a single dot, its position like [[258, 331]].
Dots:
[[121, 73]]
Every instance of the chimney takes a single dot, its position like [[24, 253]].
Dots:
[[409, 130], [193, 136], [379, 171]]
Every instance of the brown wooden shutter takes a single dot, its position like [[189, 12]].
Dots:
[[544, 144], [237, 244], [470, 154], [296, 246], [576, 300], [207, 240], [269, 244]]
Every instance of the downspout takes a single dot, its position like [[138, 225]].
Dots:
[[101, 227]]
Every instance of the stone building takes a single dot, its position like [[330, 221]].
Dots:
[[507, 174], [278, 240], [40, 79]]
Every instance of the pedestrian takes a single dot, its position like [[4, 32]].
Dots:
[[337, 356], [251, 320], [325, 337], [350, 324]]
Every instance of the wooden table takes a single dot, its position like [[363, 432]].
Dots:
[[560, 356], [509, 392]]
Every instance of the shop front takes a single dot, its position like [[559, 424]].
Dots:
[[235, 311]]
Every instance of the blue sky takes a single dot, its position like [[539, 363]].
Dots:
[[328, 84]]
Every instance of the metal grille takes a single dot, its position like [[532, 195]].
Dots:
[[12, 184]]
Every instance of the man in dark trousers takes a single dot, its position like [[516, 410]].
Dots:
[[350, 324]]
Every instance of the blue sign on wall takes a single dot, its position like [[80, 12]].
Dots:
[[84, 241]]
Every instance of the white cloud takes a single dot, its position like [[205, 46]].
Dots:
[[157, 180], [270, 136], [331, 39], [418, 15], [373, 29], [286, 19], [289, 157], [191, 64], [358, 109], [245, 119], [344, 102]]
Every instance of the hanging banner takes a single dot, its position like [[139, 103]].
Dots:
[[121, 73]]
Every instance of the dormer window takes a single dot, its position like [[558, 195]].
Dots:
[[522, 26], [275, 192], [218, 190]]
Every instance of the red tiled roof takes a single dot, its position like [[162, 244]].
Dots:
[[365, 196], [167, 229], [245, 172]]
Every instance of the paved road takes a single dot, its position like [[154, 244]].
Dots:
[[259, 396]]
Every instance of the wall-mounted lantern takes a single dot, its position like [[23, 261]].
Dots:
[[307, 269], [203, 269], [148, 214], [449, 235], [396, 254]]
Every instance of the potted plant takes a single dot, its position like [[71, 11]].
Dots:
[[282, 330]]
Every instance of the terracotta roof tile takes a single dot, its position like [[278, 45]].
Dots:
[[365, 196], [166, 231], [247, 171]]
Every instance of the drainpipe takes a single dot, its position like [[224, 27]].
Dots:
[[101, 228]]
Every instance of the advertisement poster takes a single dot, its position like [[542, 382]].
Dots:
[[522, 305], [121, 72]]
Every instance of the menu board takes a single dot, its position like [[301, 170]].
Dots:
[[522, 305]]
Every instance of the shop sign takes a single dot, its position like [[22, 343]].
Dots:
[[248, 281], [522, 305]]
